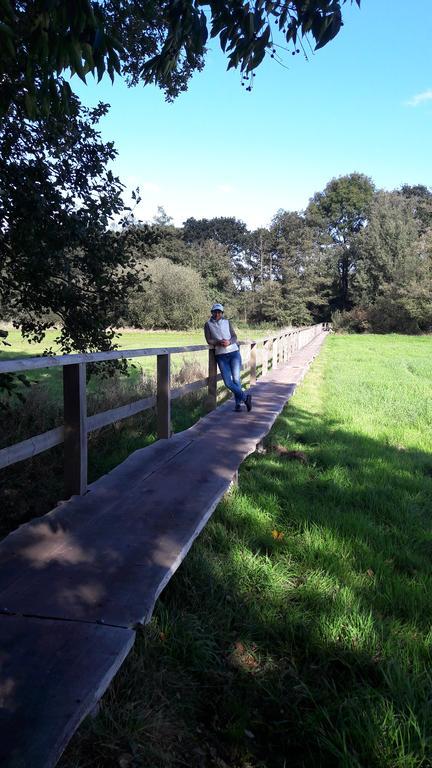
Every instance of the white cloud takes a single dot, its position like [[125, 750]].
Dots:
[[419, 98], [225, 189], [148, 186]]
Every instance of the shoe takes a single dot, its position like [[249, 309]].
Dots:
[[248, 401], [237, 407]]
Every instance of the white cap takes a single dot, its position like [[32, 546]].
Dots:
[[216, 307]]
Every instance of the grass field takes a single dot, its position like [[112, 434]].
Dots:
[[298, 630]]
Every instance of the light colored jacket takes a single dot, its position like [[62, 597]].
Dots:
[[217, 330]]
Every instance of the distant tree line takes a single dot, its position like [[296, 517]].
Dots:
[[357, 256]]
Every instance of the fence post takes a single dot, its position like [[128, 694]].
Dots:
[[275, 353], [212, 380], [163, 397], [264, 368], [75, 429], [252, 360]]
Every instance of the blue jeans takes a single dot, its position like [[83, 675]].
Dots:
[[230, 366]]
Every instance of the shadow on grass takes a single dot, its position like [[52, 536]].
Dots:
[[297, 632]]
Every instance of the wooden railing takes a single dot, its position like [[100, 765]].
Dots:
[[276, 348]]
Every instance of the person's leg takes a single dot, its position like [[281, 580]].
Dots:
[[246, 397], [235, 363], [225, 367]]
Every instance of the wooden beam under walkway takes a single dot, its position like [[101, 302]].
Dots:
[[75, 583]]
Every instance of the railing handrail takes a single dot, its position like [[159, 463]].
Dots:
[[19, 364], [78, 424], [16, 365]]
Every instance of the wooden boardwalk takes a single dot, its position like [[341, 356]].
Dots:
[[75, 583]]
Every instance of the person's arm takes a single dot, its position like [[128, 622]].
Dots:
[[233, 335], [209, 339]]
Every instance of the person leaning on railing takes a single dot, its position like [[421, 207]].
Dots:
[[221, 335]]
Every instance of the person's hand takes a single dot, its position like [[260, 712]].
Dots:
[[225, 342]]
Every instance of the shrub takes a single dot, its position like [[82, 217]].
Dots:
[[174, 297], [354, 321], [392, 316]]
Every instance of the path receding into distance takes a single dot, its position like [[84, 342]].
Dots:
[[76, 582]]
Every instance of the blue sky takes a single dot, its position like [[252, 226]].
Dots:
[[363, 103]]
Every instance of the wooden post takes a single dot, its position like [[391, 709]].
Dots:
[[252, 360], [275, 353], [163, 397], [264, 358], [212, 380], [75, 429]]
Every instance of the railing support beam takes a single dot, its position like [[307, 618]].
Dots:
[[163, 396], [212, 380], [252, 364], [75, 429]]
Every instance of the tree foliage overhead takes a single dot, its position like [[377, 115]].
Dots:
[[58, 260], [163, 43]]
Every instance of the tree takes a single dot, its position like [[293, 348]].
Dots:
[[420, 198], [162, 218], [302, 265], [58, 260], [225, 230], [255, 265], [161, 43], [212, 260], [172, 296], [341, 211], [394, 266]]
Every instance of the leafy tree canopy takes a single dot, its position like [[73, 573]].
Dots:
[[162, 43], [341, 210], [226, 230], [58, 260]]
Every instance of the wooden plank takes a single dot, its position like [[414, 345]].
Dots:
[[192, 387], [163, 396], [31, 447], [51, 675], [75, 429], [102, 419]]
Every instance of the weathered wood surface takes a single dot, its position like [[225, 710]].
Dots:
[[105, 557], [31, 447], [52, 673], [102, 419], [45, 361]]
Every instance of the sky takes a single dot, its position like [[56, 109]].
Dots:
[[363, 103]]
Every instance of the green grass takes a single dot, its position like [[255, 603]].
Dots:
[[314, 648]]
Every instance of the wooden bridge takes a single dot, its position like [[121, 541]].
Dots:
[[75, 583]]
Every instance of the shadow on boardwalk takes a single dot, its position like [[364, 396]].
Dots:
[[311, 650]]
